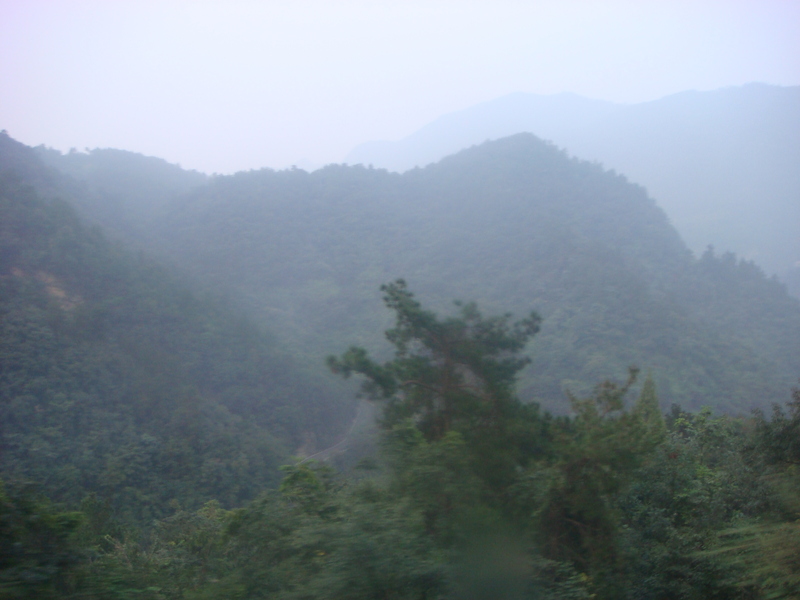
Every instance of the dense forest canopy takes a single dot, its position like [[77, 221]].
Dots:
[[116, 377], [154, 376], [514, 224], [476, 495]]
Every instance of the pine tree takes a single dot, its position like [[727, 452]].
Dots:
[[457, 373]]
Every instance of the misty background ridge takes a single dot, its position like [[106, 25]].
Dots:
[[304, 253], [723, 164]]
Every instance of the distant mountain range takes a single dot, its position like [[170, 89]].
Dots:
[[724, 164]]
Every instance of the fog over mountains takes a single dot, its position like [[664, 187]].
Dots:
[[544, 345], [514, 224], [164, 337], [722, 164]]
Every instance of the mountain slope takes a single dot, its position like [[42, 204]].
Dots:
[[116, 378], [515, 225], [722, 164], [124, 192]]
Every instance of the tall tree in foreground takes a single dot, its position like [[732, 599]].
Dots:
[[457, 440], [454, 375]]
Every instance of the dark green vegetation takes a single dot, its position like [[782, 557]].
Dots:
[[143, 418], [116, 378], [476, 496], [722, 164]]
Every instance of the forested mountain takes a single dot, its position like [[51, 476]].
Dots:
[[474, 495], [154, 412], [123, 191], [722, 164], [116, 378], [515, 225]]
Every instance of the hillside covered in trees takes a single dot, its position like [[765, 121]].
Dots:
[[160, 364], [722, 164], [116, 378], [474, 495], [514, 225]]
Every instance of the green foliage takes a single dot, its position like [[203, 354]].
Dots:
[[501, 502], [436, 478], [116, 378], [454, 375], [696, 484], [457, 373], [332, 543], [510, 224], [764, 557], [457, 440], [764, 548], [37, 548], [779, 438], [596, 455]]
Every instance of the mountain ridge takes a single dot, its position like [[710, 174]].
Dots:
[[722, 164], [515, 224]]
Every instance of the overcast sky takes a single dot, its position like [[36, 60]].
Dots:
[[224, 86]]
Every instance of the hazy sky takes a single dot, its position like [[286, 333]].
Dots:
[[223, 86]]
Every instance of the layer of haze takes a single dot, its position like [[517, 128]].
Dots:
[[226, 86]]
